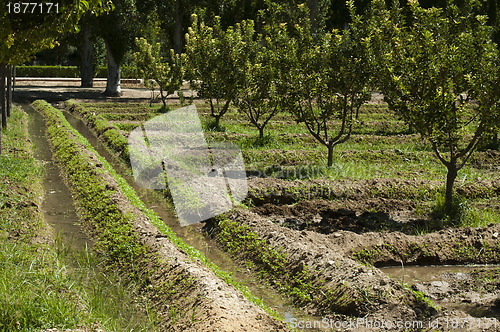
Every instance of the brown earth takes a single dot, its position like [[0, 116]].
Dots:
[[331, 256], [363, 222]]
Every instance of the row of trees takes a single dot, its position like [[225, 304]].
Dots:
[[132, 19], [437, 68], [139, 19]]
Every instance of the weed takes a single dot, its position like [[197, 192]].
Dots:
[[462, 213], [420, 297]]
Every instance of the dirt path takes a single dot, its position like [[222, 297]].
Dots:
[[54, 91]]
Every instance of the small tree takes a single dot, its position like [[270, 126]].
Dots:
[[440, 71], [328, 81], [215, 59], [166, 74], [257, 96]]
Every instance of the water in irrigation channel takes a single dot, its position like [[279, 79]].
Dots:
[[418, 273], [190, 234], [58, 208], [439, 275]]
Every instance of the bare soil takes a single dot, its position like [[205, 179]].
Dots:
[[359, 228]]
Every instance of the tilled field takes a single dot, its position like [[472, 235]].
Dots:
[[319, 235], [189, 294]]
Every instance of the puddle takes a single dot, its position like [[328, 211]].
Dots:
[[416, 274], [58, 207], [191, 234], [452, 287]]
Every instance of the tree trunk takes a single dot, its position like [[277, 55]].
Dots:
[[178, 27], [86, 69], [113, 88], [330, 155], [3, 68], [313, 13], [217, 120], [450, 180], [9, 89], [261, 132]]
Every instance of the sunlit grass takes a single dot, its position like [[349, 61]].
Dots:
[[39, 289]]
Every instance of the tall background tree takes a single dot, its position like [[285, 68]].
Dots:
[[119, 28], [26, 32]]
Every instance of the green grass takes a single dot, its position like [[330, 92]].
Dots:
[[34, 290], [370, 153], [41, 285], [463, 213]]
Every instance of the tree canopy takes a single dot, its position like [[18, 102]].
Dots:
[[440, 72], [25, 33]]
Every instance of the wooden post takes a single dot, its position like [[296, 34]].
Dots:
[[13, 77]]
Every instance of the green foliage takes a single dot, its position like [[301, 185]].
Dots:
[[166, 74], [47, 71], [25, 34], [65, 71], [326, 80], [440, 72], [215, 62]]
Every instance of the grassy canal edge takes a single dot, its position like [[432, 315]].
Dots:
[[116, 238], [39, 289]]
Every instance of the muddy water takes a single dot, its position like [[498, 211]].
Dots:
[[440, 276], [191, 234], [416, 274], [58, 207]]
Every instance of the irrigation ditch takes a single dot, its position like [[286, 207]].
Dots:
[[329, 272], [188, 291], [193, 235], [57, 205]]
